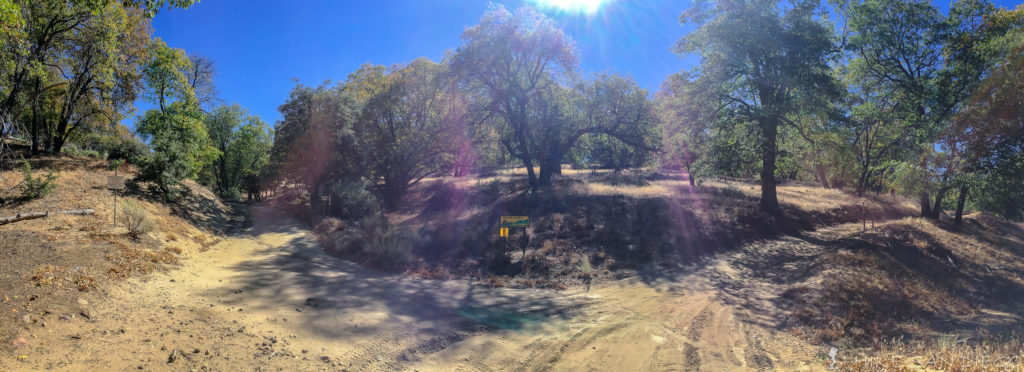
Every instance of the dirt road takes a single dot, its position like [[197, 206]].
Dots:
[[270, 299]]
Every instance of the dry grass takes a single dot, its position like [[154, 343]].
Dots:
[[944, 354], [64, 277], [630, 219], [918, 279]]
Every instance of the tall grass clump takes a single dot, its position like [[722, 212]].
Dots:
[[137, 220], [385, 244]]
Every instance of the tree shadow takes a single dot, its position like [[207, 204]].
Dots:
[[804, 280], [336, 298]]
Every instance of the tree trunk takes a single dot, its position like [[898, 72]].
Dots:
[[551, 165], [926, 206], [769, 199], [819, 172], [530, 175], [937, 209], [959, 219], [58, 144], [863, 184], [689, 174], [35, 129]]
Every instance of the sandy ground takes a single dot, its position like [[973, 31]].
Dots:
[[270, 299]]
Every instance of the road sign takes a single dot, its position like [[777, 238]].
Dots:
[[503, 232], [325, 197], [515, 221], [115, 182]]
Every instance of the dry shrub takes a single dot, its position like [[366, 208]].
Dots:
[[85, 282], [329, 225], [137, 220], [386, 244], [163, 257], [47, 275], [424, 271], [59, 277], [130, 261]]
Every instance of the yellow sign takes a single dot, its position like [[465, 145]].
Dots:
[[514, 221], [503, 232]]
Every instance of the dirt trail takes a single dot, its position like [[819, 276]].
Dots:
[[270, 299]]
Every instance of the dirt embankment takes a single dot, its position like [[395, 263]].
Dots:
[[59, 266]]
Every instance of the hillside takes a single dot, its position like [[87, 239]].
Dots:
[[734, 290], [859, 274], [57, 266]]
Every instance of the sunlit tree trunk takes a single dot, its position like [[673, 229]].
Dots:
[[769, 198]]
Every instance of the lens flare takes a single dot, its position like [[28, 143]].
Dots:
[[574, 6]]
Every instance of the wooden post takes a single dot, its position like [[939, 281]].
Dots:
[[525, 240], [863, 217], [115, 199]]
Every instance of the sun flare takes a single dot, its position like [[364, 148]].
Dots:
[[579, 6]]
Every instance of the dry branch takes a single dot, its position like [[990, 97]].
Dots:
[[34, 215]]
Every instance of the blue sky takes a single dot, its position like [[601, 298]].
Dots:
[[260, 46]]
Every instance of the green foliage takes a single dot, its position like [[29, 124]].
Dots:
[[175, 130], [74, 66], [351, 199], [584, 266], [117, 144], [74, 150], [180, 147], [115, 164], [33, 187], [244, 143], [313, 140], [762, 61], [407, 118], [165, 77], [137, 219], [510, 63]]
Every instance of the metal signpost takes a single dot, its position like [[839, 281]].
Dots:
[[325, 200], [516, 222], [115, 183]]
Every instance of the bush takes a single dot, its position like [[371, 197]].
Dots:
[[78, 152], [33, 187], [137, 220], [350, 199], [385, 244], [118, 146]]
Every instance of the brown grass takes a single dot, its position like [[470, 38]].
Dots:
[[951, 353]]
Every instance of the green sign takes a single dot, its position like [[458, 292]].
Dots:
[[515, 221]]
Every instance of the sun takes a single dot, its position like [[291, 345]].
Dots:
[[576, 6]]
